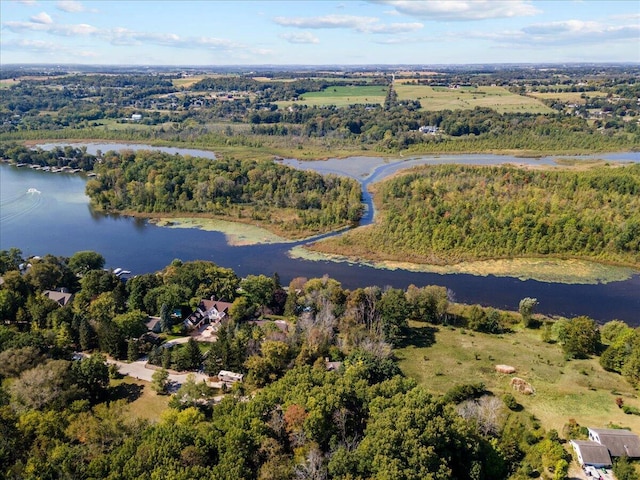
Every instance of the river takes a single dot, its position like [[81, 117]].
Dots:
[[58, 220]]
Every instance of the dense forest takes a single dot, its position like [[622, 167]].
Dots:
[[64, 417], [288, 200], [452, 213]]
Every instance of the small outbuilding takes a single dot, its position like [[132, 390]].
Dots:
[[591, 453]]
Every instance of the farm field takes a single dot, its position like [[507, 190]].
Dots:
[[342, 96], [440, 357], [567, 97], [431, 98], [444, 98]]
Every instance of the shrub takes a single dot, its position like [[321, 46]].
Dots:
[[511, 402], [630, 410]]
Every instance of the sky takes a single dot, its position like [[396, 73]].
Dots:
[[318, 32]]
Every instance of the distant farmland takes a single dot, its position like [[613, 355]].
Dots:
[[431, 98]]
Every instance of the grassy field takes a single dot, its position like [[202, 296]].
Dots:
[[431, 98], [344, 96], [442, 357], [187, 82], [443, 98], [8, 82], [113, 124], [142, 401]]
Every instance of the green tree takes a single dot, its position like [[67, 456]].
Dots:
[[582, 338], [81, 262], [394, 311], [526, 309], [87, 335], [10, 259], [240, 309], [92, 376], [160, 381], [131, 324], [132, 350], [258, 289], [623, 469], [165, 318], [190, 356]]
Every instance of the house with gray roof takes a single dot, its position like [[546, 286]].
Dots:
[[591, 453], [61, 296], [620, 443]]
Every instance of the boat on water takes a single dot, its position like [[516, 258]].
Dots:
[[34, 190]]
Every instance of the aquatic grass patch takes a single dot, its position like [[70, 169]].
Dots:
[[236, 233], [552, 270]]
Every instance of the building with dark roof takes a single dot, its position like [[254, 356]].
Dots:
[[591, 453], [620, 443]]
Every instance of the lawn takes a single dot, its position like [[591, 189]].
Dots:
[[142, 401], [442, 357]]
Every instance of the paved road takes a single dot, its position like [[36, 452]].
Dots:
[[139, 371]]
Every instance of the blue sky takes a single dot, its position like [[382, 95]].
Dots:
[[319, 32]]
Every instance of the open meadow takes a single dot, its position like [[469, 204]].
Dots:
[[342, 96], [441, 357], [431, 98], [444, 98]]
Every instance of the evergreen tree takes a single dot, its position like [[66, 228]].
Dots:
[[87, 335], [165, 318], [191, 355], [132, 350]]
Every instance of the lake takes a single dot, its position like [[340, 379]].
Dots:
[[58, 220]]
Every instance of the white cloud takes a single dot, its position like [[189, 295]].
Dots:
[[350, 22], [123, 36], [567, 32], [327, 21], [70, 6], [304, 37], [42, 17], [81, 29], [31, 45], [462, 10], [27, 2]]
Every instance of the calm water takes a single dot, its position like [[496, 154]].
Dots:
[[58, 220]]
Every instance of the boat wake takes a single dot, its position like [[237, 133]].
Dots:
[[20, 205]]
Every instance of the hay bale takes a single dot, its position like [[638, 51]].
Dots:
[[505, 369], [522, 386]]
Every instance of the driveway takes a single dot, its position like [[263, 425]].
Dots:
[[139, 371]]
